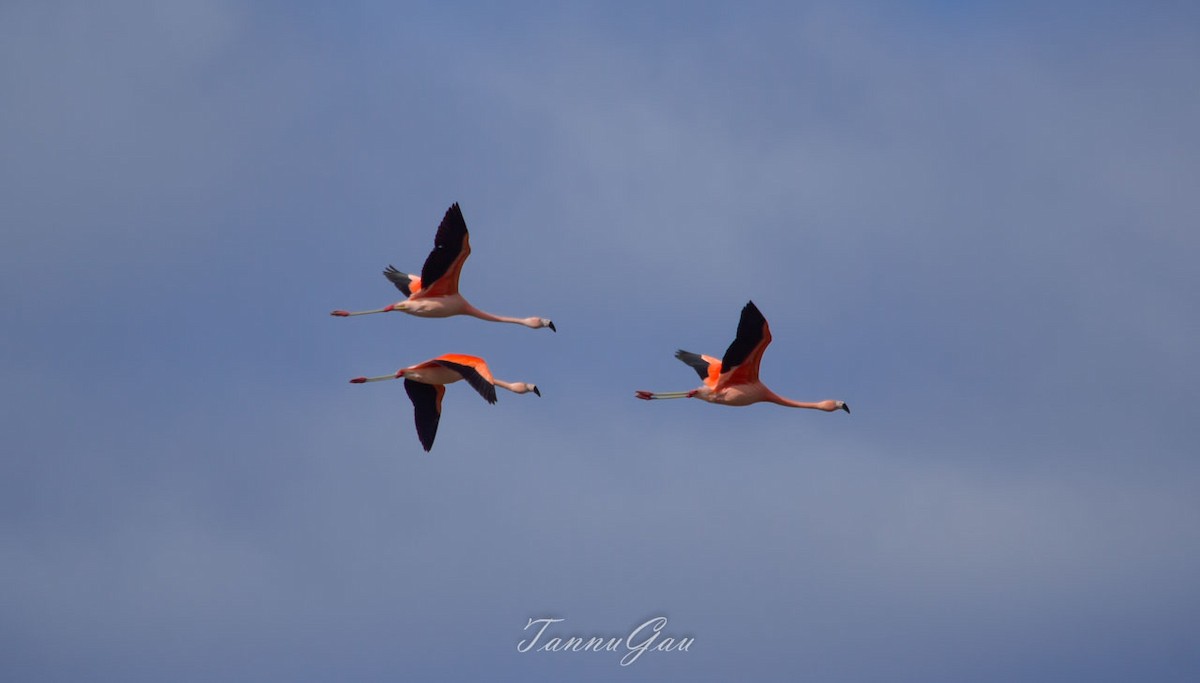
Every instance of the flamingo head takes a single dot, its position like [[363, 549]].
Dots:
[[525, 388]]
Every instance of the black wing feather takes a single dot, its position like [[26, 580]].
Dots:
[[476, 380], [749, 334], [401, 280], [446, 246], [424, 398], [693, 359]]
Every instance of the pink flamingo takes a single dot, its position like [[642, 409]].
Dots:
[[733, 380], [434, 294], [426, 384]]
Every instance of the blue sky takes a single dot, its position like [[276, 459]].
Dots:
[[974, 223]]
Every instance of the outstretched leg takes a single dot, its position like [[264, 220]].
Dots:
[[650, 396]]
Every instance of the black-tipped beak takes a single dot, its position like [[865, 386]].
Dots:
[[537, 391], [846, 407], [552, 327]]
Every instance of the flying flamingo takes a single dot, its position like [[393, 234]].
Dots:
[[435, 293], [733, 380], [426, 384]]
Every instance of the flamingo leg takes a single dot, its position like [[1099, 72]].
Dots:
[[380, 378], [649, 396], [343, 314]]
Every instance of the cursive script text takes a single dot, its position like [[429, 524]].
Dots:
[[642, 639]]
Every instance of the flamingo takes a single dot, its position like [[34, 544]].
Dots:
[[733, 380], [426, 384], [434, 294]]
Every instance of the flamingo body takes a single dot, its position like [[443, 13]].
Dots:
[[733, 380], [425, 383], [434, 293]]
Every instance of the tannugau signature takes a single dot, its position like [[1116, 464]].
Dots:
[[642, 639]]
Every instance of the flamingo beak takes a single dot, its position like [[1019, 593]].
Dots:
[[846, 407], [536, 390], [552, 327]]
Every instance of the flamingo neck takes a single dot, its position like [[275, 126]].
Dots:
[[517, 387], [470, 310], [780, 400]]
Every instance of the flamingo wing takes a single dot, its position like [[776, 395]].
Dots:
[[707, 367], [407, 284], [451, 247], [741, 360], [427, 409], [476, 374]]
